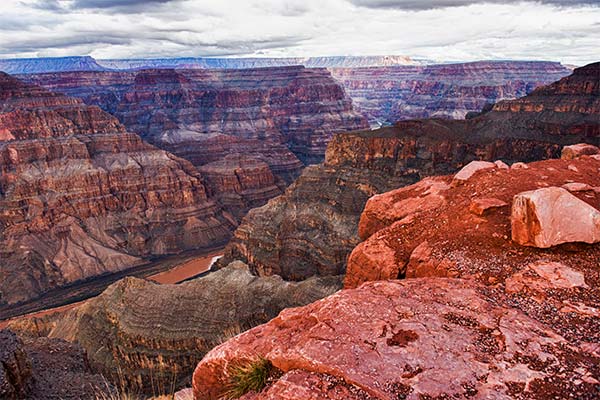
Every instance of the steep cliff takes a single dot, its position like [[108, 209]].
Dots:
[[312, 228], [145, 333], [389, 94], [179, 109], [80, 197], [478, 316]]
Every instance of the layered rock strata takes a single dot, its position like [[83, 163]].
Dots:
[[312, 228], [80, 197], [146, 334], [180, 109], [389, 94]]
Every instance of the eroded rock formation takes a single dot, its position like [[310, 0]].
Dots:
[[149, 334], [389, 94], [80, 197], [179, 109], [312, 228]]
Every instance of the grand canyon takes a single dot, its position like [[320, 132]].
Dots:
[[186, 217]]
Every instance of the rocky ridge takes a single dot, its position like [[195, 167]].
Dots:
[[81, 197], [157, 333], [45, 368], [477, 315], [312, 228]]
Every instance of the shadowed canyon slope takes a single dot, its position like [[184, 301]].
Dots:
[[389, 94], [160, 332], [478, 315], [185, 111], [45, 369], [312, 228], [80, 197]]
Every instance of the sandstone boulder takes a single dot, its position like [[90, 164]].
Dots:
[[468, 170], [578, 150], [551, 216], [482, 205]]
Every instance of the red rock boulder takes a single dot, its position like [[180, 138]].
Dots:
[[551, 216]]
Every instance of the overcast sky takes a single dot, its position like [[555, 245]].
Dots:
[[443, 30]]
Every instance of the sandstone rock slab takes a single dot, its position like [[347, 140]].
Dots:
[[406, 339], [551, 216]]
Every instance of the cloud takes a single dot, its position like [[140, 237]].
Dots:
[[419, 5], [298, 28]]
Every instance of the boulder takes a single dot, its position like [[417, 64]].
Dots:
[[483, 205], [471, 168], [551, 216], [578, 150]]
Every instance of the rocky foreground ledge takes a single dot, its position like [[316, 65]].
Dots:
[[485, 311], [150, 336]]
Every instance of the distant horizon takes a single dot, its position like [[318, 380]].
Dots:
[[293, 57], [565, 31]]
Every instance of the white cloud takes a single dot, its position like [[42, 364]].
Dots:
[[566, 31]]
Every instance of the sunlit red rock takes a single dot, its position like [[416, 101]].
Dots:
[[551, 216]]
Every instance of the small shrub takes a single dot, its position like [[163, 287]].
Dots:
[[249, 376]]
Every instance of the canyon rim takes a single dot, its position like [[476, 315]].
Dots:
[[299, 200]]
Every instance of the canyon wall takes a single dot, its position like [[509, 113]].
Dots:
[[87, 63], [145, 333], [312, 228], [80, 197], [389, 94], [180, 109], [39, 65]]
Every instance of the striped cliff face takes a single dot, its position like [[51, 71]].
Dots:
[[81, 197]]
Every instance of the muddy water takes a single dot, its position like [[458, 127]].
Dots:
[[178, 273], [186, 270]]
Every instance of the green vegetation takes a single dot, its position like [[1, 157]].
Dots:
[[249, 376]]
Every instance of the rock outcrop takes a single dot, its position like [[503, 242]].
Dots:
[[312, 228], [430, 231], [478, 315], [389, 94], [179, 109], [413, 339], [43, 368], [148, 334], [80, 197]]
